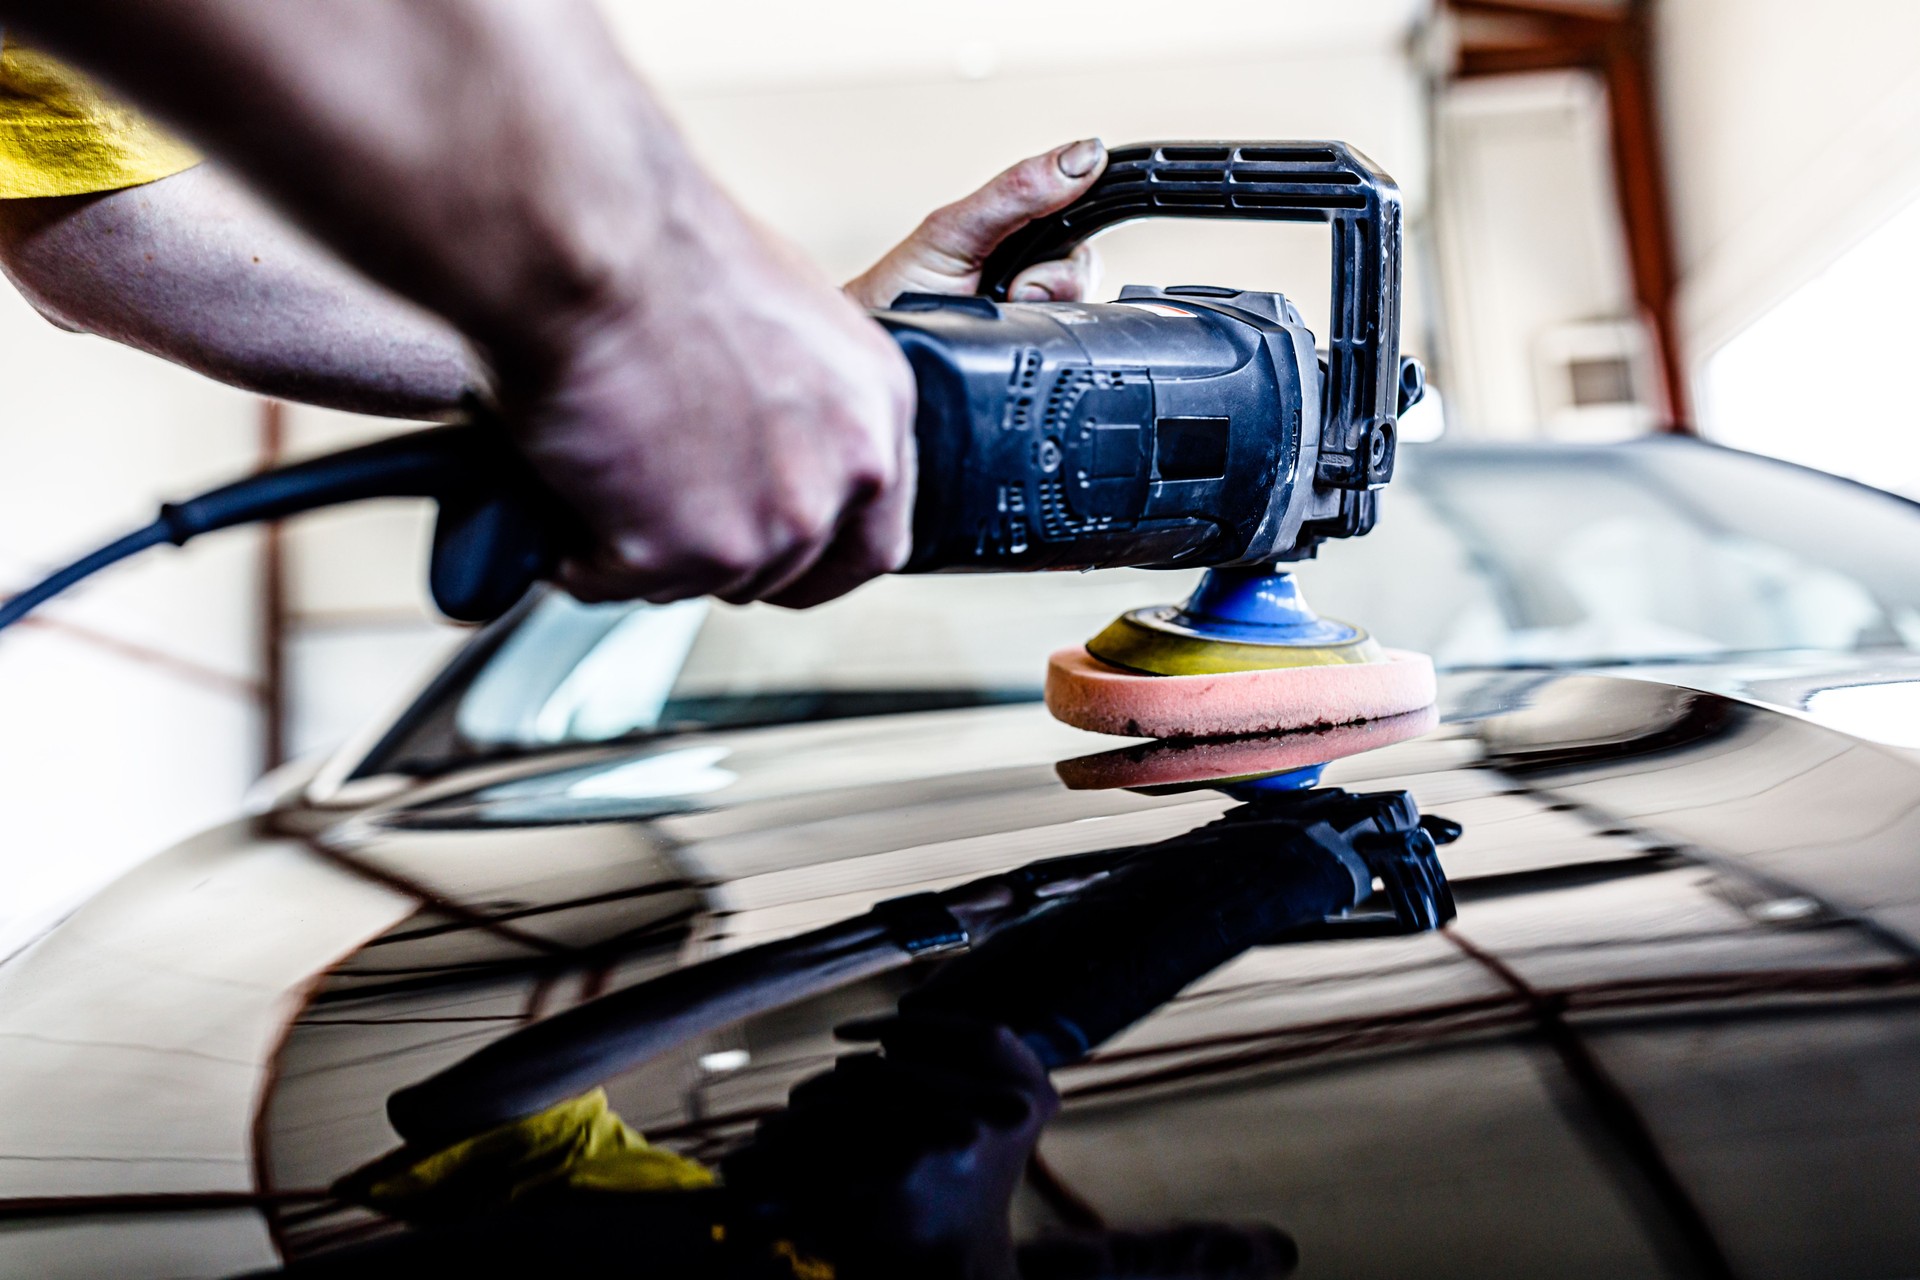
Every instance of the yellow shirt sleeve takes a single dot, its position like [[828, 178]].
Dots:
[[60, 135]]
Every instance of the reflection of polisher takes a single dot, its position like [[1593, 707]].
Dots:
[[543, 1064], [1187, 427], [1264, 762], [913, 1152], [1340, 842], [1285, 868]]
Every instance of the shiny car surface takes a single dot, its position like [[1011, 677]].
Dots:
[[1674, 1029]]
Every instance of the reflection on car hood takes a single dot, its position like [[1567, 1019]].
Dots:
[[1674, 1027], [1873, 694]]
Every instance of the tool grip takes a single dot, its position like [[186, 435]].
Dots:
[[498, 530], [1268, 182]]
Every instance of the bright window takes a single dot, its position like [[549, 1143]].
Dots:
[[1822, 379]]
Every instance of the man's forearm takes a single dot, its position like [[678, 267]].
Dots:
[[193, 269], [724, 420], [493, 160]]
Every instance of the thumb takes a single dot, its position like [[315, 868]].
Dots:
[[966, 231], [945, 252]]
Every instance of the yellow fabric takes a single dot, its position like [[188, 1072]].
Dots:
[[61, 136], [580, 1145], [802, 1266]]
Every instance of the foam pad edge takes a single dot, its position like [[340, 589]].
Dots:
[[1086, 693]]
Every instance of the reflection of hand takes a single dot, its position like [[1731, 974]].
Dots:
[[904, 1162], [944, 254]]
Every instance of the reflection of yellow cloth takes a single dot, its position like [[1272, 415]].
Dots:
[[578, 1145], [60, 136]]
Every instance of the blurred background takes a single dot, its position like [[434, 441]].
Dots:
[[1682, 215]]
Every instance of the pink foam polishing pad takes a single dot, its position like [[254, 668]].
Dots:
[[1088, 694]]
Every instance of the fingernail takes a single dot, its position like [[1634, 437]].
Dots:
[[1031, 293], [1078, 160]]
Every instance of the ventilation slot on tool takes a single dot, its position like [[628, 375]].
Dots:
[[1257, 201], [1190, 175], [1289, 155], [1335, 179], [1026, 367]]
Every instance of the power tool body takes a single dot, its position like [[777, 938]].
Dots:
[[1183, 427]]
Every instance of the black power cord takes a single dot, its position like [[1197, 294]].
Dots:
[[498, 532]]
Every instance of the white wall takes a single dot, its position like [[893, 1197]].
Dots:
[[1821, 378], [907, 110], [127, 719], [1792, 130]]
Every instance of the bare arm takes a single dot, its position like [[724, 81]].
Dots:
[[724, 418], [196, 270]]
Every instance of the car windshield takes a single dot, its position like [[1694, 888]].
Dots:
[[1485, 556]]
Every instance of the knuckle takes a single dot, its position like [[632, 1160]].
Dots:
[[713, 558], [722, 562], [1027, 183], [631, 555], [871, 470], [942, 225], [799, 518], [948, 234]]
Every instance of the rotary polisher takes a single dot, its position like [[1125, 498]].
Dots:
[[1185, 427]]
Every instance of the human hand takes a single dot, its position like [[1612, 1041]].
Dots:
[[727, 425], [945, 252]]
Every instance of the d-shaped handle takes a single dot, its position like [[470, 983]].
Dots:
[[1269, 182]]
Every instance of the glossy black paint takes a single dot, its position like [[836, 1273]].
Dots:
[[1674, 1030]]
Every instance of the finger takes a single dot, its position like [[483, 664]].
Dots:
[[586, 582], [877, 539], [600, 580], [1070, 279], [944, 253], [780, 573], [847, 563], [737, 570], [969, 229], [873, 537], [595, 581]]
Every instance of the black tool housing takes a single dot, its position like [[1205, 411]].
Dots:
[[1188, 426], [1173, 427], [1191, 425]]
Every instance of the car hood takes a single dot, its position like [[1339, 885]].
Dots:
[[1679, 994]]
